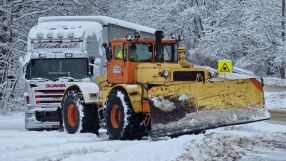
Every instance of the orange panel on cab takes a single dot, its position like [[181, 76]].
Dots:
[[120, 70]]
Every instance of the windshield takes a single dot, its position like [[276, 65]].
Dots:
[[166, 53], [57, 68], [140, 52]]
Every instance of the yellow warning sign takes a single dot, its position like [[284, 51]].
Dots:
[[224, 66]]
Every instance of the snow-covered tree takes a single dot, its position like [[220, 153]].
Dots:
[[245, 31]]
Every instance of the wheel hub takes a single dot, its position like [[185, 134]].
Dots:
[[116, 116], [72, 115]]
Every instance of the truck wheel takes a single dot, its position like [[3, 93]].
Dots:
[[79, 117], [121, 121]]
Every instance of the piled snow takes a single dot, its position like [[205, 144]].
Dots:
[[120, 95], [163, 104], [234, 142], [81, 114], [229, 143], [274, 81], [14, 121], [104, 20], [79, 29], [183, 97], [237, 73], [275, 93], [275, 100], [261, 127], [132, 86], [234, 76]]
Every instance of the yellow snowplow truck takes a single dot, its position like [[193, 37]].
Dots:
[[150, 89]]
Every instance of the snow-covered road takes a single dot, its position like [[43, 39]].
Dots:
[[261, 140]]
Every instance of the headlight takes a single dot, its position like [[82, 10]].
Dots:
[[128, 37], [165, 73]]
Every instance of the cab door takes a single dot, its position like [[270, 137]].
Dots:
[[117, 64]]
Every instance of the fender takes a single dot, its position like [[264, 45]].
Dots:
[[89, 90], [134, 92]]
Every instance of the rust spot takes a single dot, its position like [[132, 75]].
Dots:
[[256, 83]]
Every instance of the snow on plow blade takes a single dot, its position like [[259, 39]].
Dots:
[[192, 107], [207, 119]]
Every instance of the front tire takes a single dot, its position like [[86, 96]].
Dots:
[[122, 122], [77, 116]]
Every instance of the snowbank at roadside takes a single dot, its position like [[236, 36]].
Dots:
[[234, 142], [227, 143], [275, 100], [274, 81], [13, 121]]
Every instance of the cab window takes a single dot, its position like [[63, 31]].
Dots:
[[118, 52], [166, 53], [140, 52]]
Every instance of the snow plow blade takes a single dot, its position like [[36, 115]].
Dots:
[[198, 121], [193, 107]]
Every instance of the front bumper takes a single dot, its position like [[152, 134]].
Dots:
[[42, 118]]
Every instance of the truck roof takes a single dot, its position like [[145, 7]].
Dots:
[[104, 20], [80, 30], [143, 40]]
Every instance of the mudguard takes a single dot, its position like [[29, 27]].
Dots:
[[89, 90]]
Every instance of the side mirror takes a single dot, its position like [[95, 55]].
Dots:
[[91, 64], [108, 53], [104, 45]]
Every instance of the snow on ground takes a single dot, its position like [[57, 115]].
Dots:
[[274, 81], [255, 141], [228, 143], [275, 100], [275, 93]]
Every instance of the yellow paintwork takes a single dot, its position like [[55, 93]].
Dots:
[[203, 94], [224, 66], [134, 93], [220, 94], [216, 94], [182, 58], [154, 70], [101, 80]]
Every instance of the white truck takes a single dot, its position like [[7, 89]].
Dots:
[[62, 50]]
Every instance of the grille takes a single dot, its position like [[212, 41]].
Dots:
[[48, 96], [187, 75]]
